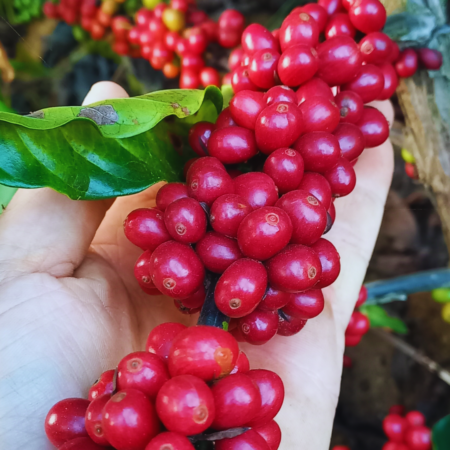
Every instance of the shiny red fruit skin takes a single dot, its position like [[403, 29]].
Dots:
[[339, 60], [228, 38], [280, 94], [368, 83], [332, 212], [407, 63], [298, 29], [362, 297], [170, 441], [394, 427], [233, 19], [240, 80], [318, 186], [242, 364], [418, 438], [255, 37], [367, 15], [308, 216], [351, 140], [352, 340], [297, 64], [329, 260], [320, 151], [240, 288], [176, 270], [339, 25], [237, 400], [331, 6], [199, 136], [263, 68], [271, 433], [317, 12], [259, 327], [429, 58], [258, 189], [390, 81], [189, 79], [342, 178], [350, 106], [104, 385], [415, 419], [169, 193], [264, 232], [83, 443], [296, 268], [245, 108], [273, 299], [65, 421], [235, 58], [285, 166], [195, 300], [225, 120], [305, 305], [359, 324], [250, 440], [374, 127], [376, 48], [143, 371], [93, 420], [278, 125], [271, 388], [160, 339], [289, 326], [185, 220], [395, 53], [227, 212], [185, 405], [209, 77], [145, 228], [206, 352], [217, 252], [314, 88], [123, 433], [319, 114]]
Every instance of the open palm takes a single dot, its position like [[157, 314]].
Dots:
[[70, 307]]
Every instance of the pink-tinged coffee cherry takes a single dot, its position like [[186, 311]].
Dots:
[[169, 193], [331, 6], [264, 232], [263, 68], [329, 260], [250, 440], [339, 25], [296, 268], [273, 300], [317, 12], [279, 94], [176, 270], [374, 127], [318, 186], [104, 385], [259, 327], [315, 87], [342, 178], [429, 58], [242, 364], [368, 83], [390, 81], [350, 106], [241, 288], [367, 15], [245, 107], [255, 37], [145, 228], [359, 324], [278, 125], [227, 212], [308, 216], [93, 420], [285, 166], [161, 338], [351, 140], [240, 80], [288, 325], [225, 120], [123, 433], [82, 443], [199, 136], [206, 352], [395, 427], [233, 145], [217, 252], [297, 65], [257, 188], [319, 114], [170, 441], [237, 400], [185, 405], [376, 48], [339, 60], [143, 371], [407, 63], [235, 58], [298, 28], [65, 421], [271, 433], [305, 305]]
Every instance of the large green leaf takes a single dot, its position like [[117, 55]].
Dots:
[[441, 434], [379, 318], [6, 194], [110, 148]]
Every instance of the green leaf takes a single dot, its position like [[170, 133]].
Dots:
[[379, 318], [227, 93], [6, 194], [110, 148], [441, 434]]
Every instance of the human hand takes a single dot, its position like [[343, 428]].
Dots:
[[71, 308]]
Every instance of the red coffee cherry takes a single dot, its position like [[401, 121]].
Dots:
[[308, 216], [395, 53], [407, 63], [65, 421], [374, 127], [241, 288], [395, 426], [217, 252], [339, 25], [255, 37], [362, 297], [342, 178], [376, 48], [195, 300], [235, 58], [206, 352], [273, 300], [194, 63], [350, 106], [232, 19], [263, 68], [297, 64], [258, 189], [317, 12], [104, 385], [415, 419], [367, 15], [199, 136], [259, 326], [359, 324], [160, 339], [394, 446], [82, 443], [189, 78], [93, 420], [296, 268], [145, 228], [318, 186], [278, 125], [250, 440], [329, 260], [305, 305], [319, 114], [352, 340], [271, 433], [288, 325], [351, 140], [240, 80], [418, 438], [245, 107], [368, 83], [314, 88], [169, 193], [390, 81], [331, 6], [123, 433], [185, 405], [332, 212], [242, 364], [280, 94], [299, 28], [429, 58], [225, 120], [170, 441]]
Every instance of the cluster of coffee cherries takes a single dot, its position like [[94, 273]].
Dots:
[[406, 432], [191, 384], [410, 164]]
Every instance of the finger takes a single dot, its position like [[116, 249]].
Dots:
[[44, 231]]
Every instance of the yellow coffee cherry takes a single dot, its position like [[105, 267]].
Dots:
[[446, 312], [173, 19], [150, 4], [407, 156]]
